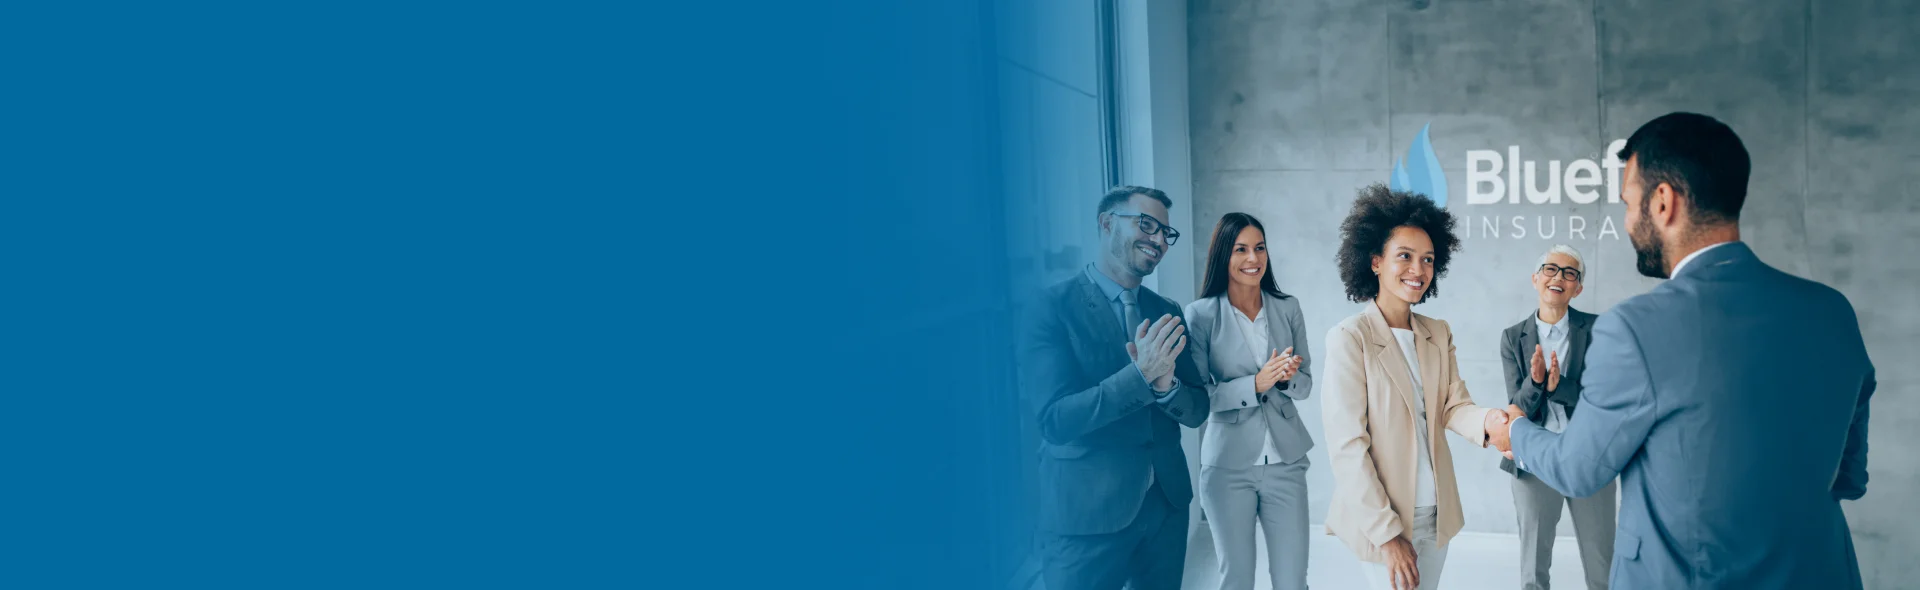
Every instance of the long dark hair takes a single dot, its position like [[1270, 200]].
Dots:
[[1221, 253]]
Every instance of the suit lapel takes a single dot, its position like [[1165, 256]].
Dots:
[[1096, 312], [1277, 331], [1429, 353], [1529, 338], [1226, 332], [1582, 333], [1387, 353]]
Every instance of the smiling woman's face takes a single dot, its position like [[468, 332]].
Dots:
[[1249, 259], [1557, 291], [1405, 266]]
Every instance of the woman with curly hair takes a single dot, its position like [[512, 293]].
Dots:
[[1391, 384]]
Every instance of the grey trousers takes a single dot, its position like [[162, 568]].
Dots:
[[1275, 497], [1537, 507]]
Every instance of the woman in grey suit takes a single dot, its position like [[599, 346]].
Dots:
[[1249, 342]]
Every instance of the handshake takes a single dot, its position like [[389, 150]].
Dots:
[[1498, 426]]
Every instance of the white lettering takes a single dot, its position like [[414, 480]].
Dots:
[[1552, 192], [1490, 227], [1606, 227], [1578, 230], [1552, 225], [1489, 176], [1581, 175], [1513, 174], [1518, 231], [1613, 165], [1476, 177]]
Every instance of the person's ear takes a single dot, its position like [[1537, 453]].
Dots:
[[1663, 205]]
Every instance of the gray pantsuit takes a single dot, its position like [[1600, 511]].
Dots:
[[1535, 504], [1253, 449]]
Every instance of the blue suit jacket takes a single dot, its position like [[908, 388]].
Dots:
[[1732, 401], [1106, 438]]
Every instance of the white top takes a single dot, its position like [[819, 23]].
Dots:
[[1554, 340], [1423, 488], [1254, 332], [1689, 258]]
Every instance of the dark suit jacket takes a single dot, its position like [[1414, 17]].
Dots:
[[1104, 432], [1516, 353]]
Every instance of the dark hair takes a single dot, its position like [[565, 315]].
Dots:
[[1120, 194], [1700, 157], [1376, 213], [1221, 252]]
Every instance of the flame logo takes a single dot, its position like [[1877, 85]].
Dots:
[[1420, 172]]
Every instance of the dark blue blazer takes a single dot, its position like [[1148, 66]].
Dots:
[[1103, 431]]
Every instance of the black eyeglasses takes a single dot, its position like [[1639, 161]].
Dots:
[[1550, 270], [1150, 226]]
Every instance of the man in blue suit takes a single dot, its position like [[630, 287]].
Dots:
[[1104, 370], [1731, 400]]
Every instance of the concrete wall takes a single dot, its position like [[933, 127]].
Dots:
[[1296, 104]]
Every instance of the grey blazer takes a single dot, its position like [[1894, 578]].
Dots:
[[1233, 436], [1732, 403], [1516, 353]]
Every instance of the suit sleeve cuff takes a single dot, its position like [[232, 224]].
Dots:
[[1165, 396]]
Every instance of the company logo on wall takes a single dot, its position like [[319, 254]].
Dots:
[[1419, 171], [1494, 178]]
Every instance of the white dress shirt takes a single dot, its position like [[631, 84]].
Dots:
[[1254, 332], [1554, 340], [1423, 487]]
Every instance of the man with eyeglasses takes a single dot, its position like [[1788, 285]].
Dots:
[[1543, 356], [1104, 371]]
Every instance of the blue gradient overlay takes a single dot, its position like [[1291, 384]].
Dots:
[[506, 295]]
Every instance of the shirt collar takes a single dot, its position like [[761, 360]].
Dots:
[[1689, 258], [1547, 329], [1107, 286], [1257, 316]]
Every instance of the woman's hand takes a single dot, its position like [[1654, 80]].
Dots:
[[1402, 564], [1280, 367]]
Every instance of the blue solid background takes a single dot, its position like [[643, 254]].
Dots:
[[502, 295]]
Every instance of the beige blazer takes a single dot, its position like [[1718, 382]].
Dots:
[[1368, 407]]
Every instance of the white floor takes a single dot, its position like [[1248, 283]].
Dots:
[[1475, 561]]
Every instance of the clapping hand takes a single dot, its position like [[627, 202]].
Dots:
[[1155, 347], [1279, 368], [1546, 368], [1553, 371]]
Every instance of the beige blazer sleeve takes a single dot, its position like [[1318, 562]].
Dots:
[[1457, 409], [1361, 504]]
